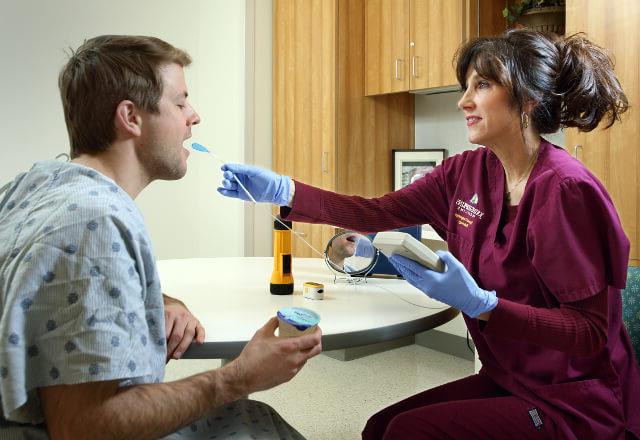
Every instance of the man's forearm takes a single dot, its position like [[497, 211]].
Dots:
[[101, 410], [150, 411]]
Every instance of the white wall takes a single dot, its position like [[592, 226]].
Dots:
[[259, 224], [187, 218], [439, 124]]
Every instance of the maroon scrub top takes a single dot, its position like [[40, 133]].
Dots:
[[562, 243]]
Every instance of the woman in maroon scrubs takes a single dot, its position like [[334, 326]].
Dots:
[[537, 253]]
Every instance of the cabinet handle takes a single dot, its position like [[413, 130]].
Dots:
[[325, 161], [301, 234], [414, 66], [575, 151], [398, 61]]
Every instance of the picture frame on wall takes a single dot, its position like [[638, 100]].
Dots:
[[410, 165]]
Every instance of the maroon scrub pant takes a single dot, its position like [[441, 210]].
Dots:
[[470, 408]]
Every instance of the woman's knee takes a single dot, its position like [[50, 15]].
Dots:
[[389, 426], [374, 428], [400, 427]]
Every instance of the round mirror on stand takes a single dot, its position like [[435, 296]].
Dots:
[[351, 253]]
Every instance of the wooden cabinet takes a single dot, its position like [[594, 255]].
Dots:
[[410, 44], [437, 28], [326, 132], [386, 46], [613, 155]]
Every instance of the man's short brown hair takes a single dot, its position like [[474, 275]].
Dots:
[[103, 72]]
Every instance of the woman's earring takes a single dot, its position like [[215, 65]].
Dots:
[[524, 119]]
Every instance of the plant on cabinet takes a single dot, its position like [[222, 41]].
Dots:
[[538, 15]]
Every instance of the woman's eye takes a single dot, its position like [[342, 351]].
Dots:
[[180, 106], [483, 84]]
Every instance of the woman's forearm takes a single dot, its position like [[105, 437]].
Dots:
[[578, 328]]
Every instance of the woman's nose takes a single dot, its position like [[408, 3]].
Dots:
[[465, 101]]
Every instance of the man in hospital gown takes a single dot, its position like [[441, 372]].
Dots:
[[83, 335]]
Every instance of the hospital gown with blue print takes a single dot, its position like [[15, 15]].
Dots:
[[80, 298]]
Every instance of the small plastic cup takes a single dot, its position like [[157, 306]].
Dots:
[[296, 321]]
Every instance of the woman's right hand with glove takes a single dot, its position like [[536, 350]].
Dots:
[[263, 185], [455, 286]]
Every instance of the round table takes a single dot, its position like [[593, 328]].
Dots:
[[230, 296]]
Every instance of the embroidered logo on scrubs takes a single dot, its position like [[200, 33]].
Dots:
[[466, 213], [535, 417]]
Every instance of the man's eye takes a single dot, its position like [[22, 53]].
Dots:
[[181, 106]]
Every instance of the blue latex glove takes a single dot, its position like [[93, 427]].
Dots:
[[364, 248], [454, 286], [263, 185]]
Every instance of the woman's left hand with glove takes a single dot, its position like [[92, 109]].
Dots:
[[455, 286]]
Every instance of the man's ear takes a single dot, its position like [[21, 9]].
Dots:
[[128, 121]]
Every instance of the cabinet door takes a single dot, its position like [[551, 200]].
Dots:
[[613, 155], [438, 28], [386, 46]]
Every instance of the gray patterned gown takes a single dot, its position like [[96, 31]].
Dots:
[[80, 301]]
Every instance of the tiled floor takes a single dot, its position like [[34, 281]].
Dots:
[[331, 399]]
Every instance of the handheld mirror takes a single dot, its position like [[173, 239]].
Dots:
[[351, 253]]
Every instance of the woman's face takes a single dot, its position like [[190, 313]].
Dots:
[[488, 111]]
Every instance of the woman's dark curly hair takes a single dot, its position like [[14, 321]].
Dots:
[[570, 80]]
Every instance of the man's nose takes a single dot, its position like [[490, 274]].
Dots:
[[194, 119]]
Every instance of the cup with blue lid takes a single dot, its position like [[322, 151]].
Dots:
[[296, 321]]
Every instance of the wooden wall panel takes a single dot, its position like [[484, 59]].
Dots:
[[304, 100], [326, 132], [490, 22], [613, 155], [368, 127]]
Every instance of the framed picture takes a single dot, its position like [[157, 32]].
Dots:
[[410, 165]]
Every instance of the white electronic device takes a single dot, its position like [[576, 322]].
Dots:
[[401, 243]]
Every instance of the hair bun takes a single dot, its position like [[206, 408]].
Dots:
[[587, 83]]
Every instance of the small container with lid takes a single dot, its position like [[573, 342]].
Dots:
[[296, 321]]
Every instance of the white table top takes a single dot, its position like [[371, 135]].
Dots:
[[231, 298]]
